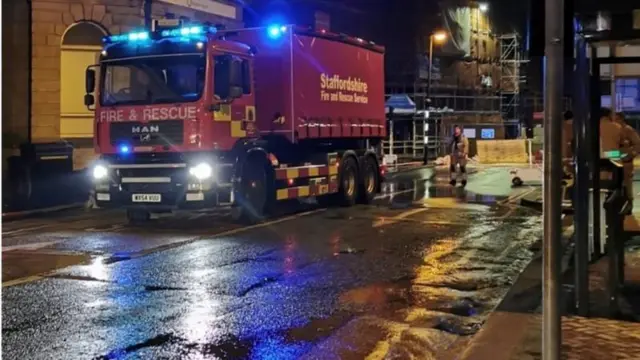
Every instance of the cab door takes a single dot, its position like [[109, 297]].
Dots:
[[234, 95]]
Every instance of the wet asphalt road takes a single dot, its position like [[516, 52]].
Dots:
[[412, 276]]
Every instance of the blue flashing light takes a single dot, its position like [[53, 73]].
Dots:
[[124, 149], [185, 32], [136, 36], [275, 31]]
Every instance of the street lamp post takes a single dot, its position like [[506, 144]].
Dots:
[[439, 36], [482, 8]]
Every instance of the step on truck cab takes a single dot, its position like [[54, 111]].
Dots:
[[195, 117]]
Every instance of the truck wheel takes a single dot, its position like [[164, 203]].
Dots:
[[137, 217], [348, 182], [370, 181], [252, 196]]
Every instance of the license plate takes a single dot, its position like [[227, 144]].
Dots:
[[154, 198]]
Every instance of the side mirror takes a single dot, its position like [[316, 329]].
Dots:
[[89, 100], [90, 81], [235, 92]]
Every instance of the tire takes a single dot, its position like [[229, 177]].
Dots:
[[138, 217], [369, 181], [252, 196], [348, 182], [516, 182]]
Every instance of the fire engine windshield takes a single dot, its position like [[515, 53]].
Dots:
[[152, 80]]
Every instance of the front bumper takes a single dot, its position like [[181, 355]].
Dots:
[[162, 200], [162, 188]]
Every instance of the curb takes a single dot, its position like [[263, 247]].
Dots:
[[16, 215], [534, 204]]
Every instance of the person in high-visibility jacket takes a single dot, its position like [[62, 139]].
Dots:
[[611, 133], [459, 149], [631, 150]]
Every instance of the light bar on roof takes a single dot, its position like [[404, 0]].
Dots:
[[134, 36], [189, 31], [185, 31]]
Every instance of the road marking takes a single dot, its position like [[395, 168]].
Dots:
[[388, 221], [32, 246], [22, 230], [517, 196], [378, 197], [23, 280], [108, 228], [37, 277], [264, 224], [11, 215]]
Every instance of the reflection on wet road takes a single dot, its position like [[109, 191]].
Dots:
[[412, 276]]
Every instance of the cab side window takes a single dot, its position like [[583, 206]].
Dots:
[[231, 72], [246, 77], [221, 76]]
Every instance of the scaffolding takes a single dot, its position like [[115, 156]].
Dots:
[[511, 60], [428, 128]]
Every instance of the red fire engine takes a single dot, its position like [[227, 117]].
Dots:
[[195, 117]]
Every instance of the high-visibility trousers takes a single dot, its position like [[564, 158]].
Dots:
[[458, 160]]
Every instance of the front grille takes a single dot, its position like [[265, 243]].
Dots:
[[168, 132], [157, 172]]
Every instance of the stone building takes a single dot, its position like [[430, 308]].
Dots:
[[48, 44]]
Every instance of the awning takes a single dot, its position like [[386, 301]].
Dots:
[[401, 104]]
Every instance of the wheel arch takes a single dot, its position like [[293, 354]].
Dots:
[[250, 152]]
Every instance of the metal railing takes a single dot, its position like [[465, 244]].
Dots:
[[414, 148]]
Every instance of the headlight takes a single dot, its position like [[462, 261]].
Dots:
[[100, 172], [201, 171]]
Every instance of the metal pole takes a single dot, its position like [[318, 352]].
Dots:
[[594, 139], [147, 13], [390, 136], [612, 77], [581, 186], [430, 65], [552, 189]]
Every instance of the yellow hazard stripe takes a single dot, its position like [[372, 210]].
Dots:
[[282, 194], [292, 173], [303, 191]]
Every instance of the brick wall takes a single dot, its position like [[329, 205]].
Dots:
[[51, 18], [15, 72]]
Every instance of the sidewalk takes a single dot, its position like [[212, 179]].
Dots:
[[514, 331]]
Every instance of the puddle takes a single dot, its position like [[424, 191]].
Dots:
[[229, 347], [319, 328], [401, 194]]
